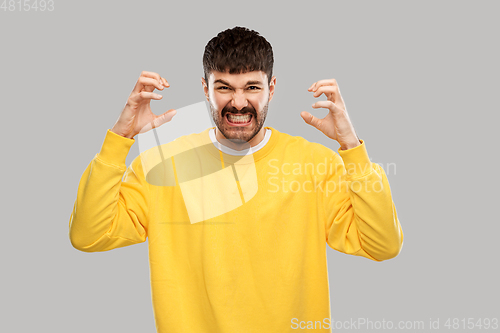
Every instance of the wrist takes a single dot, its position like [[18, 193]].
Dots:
[[350, 144], [120, 133]]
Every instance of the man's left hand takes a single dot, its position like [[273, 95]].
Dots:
[[336, 124]]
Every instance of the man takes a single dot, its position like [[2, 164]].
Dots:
[[256, 263]]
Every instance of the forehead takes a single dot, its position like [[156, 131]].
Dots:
[[240, 79]]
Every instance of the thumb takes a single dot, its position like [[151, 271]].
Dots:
[[165, 117], [310, 119]]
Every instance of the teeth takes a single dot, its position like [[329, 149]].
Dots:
[[239, 119]]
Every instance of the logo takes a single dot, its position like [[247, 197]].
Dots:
[[181, 153]]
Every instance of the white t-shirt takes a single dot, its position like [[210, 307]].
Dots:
[[229, 151]]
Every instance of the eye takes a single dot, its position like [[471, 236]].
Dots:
[[254, 88], [222, 88]]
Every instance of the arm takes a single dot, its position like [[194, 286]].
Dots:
[[109, 213], [361, 217]]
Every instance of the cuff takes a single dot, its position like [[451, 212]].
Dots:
[[356, 161], [114, 149]]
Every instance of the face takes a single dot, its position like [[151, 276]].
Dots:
[[239, 103]]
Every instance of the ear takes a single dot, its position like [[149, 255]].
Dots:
[[272, 85], [205, 88]]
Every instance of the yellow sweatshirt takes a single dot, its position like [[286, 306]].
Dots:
[[237, 244]]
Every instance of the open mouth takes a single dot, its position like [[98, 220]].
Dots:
[[239, 119]]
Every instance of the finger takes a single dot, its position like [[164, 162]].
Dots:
[[311, 120], [165, 117], [327, 82], [325, 104], [151, 75], [145, 95], [327, 90], [148, 84], [165, 82], [158, 121], [332, 93]]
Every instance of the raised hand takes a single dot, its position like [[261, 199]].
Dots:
[[336, 124], [137, 116]]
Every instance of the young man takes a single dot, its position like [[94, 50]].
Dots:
[[238, 244]]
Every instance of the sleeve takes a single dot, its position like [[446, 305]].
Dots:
[[110, 212], [360, 212]]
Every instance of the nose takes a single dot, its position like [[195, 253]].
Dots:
[[239, 100]]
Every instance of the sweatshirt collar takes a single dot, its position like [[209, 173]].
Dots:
[[257, 155]]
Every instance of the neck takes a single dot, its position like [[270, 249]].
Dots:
[[233, 145]]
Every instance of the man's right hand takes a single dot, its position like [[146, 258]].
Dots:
[[137, 116]]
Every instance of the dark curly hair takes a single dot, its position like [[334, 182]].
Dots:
[[238, 50]]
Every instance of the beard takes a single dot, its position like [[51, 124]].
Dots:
[[240, 135]]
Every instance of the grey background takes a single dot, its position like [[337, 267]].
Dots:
[[420, 81]]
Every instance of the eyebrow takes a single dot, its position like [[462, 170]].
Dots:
[[227, 83]]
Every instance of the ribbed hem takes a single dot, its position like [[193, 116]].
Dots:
[[114, 149], [356, 161]]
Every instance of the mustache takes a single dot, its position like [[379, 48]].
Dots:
[[233, 110]]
